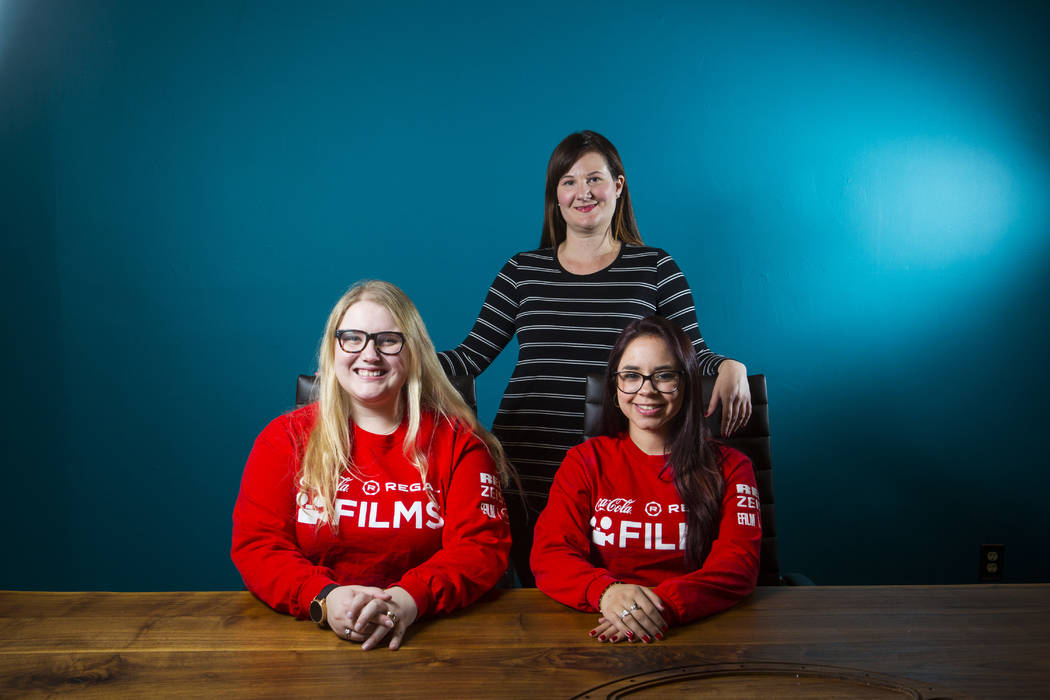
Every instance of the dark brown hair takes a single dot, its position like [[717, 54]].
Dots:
[[695, 462], [571, 149]]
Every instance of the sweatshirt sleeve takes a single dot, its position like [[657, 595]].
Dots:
[[492, 330], [475, 540], [561, 540], [731, 569], [675, 303], [265, 550]]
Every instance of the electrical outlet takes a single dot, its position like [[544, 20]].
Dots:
[[992, 558]]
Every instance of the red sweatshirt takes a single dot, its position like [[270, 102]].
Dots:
[[612, 517], [445, 554]]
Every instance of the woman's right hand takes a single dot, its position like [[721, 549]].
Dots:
[[634, 612], [345, 604], [392, 617]]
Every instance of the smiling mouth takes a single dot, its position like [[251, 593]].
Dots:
[[648, 410], [361, 372], [586, 208]]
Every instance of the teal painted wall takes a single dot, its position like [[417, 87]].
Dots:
[[856, 191]]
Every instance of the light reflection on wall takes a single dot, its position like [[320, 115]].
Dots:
[[924, 203]]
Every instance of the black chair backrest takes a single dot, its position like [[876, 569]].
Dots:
[[306, 390], [752, 440]]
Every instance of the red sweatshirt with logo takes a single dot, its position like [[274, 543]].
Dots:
[[446, 551], [614, 515]]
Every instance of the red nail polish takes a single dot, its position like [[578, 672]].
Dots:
[[602, 637], [646, 638], [592, 633], [630, 634], [659, 636]]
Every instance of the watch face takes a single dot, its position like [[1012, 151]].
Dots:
[[316, 611]]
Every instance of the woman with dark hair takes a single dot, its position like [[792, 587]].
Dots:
[[651, 524], [567, 301], [379, 504]]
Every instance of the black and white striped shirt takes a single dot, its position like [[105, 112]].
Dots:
[[566, 326]]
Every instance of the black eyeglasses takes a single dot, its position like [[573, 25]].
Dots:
[[386, 342], [665, 381]]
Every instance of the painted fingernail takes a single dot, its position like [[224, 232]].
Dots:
[[659, 636], [593, 633], [602, 638], [630, 634], [646, 638]]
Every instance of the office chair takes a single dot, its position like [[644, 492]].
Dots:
[[752, 440]]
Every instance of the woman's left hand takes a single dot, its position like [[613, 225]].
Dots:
[[732, 391], [606, 631], [634, 612], [382, 617]]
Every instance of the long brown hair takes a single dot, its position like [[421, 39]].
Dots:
[[694, 461], [571, 149]]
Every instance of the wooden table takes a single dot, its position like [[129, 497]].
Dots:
[[916, 641]]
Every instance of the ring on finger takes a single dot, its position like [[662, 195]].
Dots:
[[634, 606], [624, 613], [393, 616], [347, 633]]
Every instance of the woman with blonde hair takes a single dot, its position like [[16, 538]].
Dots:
[[380, 503]]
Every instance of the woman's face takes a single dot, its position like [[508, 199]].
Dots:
[[372, 379], [587, 194], [649, 411]]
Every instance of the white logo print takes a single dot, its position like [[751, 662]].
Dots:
[[747, 500], [309, 513], [614, 505], [370, 488], [597, 536], [652, 509]]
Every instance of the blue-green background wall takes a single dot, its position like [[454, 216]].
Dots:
[[857, 192]]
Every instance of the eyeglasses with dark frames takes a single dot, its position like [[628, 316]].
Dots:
[[665, 381], [386, 342]]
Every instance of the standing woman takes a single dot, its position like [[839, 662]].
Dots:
[[380, 503], [567, 301], [651, 524]]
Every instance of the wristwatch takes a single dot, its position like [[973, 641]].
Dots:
[[318, 609]]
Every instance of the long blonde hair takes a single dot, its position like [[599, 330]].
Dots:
[[328, 449]]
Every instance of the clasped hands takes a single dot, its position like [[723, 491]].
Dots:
[[368, 614], [630, 612]]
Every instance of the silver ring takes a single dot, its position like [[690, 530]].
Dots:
[[634, 606], [347, 633], [625, 613]]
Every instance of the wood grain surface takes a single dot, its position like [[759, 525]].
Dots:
[[914, 641]]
